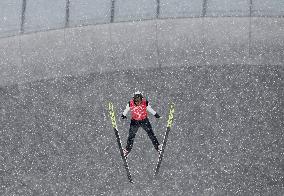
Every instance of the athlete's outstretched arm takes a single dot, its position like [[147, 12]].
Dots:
[[150, 109], [126, 110]]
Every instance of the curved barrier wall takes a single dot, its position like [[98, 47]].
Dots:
[[169, 38], [154, 43]]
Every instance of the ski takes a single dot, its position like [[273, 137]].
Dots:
[[169, 125], [114, 125]]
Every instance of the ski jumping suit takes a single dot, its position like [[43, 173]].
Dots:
[[139, 118]]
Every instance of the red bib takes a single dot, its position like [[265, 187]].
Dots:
[[138, 112]]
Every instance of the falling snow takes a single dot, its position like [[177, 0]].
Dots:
[[62, 62]]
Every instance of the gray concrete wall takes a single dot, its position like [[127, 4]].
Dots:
[[268, 8], [44, 15], [89, 12], [180, 8], [153, 43], [24, 16], [10, 17], [128, 10], [228, 8]]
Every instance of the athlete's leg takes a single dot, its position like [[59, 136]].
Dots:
[[146, 125], [134, 125]]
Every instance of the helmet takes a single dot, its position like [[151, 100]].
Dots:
[[137, 93]]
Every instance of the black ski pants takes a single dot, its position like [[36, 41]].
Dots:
[[134, 126]]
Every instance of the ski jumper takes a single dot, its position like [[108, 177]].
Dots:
[[139, 118]]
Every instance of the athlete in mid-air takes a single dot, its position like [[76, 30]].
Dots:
[[139, 106]]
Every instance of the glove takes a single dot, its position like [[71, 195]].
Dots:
[[123, 117], [157, 115]]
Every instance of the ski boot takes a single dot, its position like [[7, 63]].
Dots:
[[125, 152], [160, 147]]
